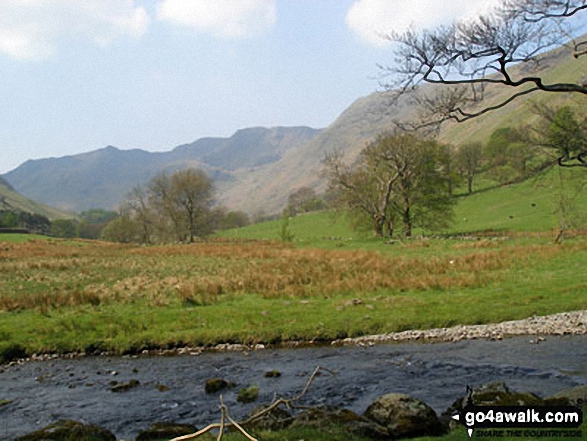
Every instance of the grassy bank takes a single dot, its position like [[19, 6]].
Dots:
[[58, 296]]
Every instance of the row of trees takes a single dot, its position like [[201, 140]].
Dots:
[[401, 177], [33, 222], [172, 207]]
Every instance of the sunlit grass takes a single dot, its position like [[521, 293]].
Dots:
[[60, 296]]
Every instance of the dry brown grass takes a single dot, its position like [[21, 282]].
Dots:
[[45, 275]]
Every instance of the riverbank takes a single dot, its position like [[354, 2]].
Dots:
[[86, 297], [566, 323], [172, 389], [536, 328]]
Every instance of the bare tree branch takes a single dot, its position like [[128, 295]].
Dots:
[[467, 57], [232, 423]]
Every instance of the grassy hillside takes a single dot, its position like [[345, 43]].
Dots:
[[11, 200], [256, 169], [527, 206], [266, 188]]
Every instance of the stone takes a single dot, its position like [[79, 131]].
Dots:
[[248, 394], [123, 387], [68, 430], [404, 416], [577, 396], [214, 385], [326, 416], [497, 394], [274, 420], [165, 431]]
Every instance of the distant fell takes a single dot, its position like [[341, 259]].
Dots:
[[102, 178], [11, 200], [256, 169]]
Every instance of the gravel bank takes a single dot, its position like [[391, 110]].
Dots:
[[566, 323]]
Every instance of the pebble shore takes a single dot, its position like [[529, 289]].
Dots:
[[566, 323]]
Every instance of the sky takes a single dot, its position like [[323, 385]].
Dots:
[[78, 75]]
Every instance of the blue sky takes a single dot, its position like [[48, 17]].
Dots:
[[78, 75]]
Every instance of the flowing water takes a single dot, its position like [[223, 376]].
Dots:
[[172, 388]]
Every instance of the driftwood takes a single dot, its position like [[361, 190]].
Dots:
[[224, 414]]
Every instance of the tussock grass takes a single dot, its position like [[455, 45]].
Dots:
[[59, 296], [43, 276]]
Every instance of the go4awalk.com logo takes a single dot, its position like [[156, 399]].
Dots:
[[521, 421]]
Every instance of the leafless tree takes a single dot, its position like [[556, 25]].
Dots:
[[469, 56]]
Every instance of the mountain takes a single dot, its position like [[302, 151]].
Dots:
[[257, 168], [11, 200], [102, 178]]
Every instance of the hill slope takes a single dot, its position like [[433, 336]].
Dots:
[[11, 200], [257, 168], [528, 206], [267, 188], [102, 178]]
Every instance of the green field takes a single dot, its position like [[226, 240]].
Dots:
[[498, 261], [529, 206], [331, 282]]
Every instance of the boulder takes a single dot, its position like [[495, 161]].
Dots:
[[67, 430], [165, 431], [274, 420], [495, 394], [325, 416], [577, 396], [404, 416], [214, 385]]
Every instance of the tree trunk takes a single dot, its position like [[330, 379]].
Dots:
[[378, 224], [470, 183], [407, 222], [389, 228]]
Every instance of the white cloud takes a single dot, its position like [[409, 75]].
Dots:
[[32, 29], [371, 19], [221, 18]]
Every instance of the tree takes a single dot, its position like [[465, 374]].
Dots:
[[362, 189], [303, 200], [137, 204], [8, 219], [469, 56], [469, 157], [397, 176], [65, 228], [564, 133], [184, 201], [123, 229]]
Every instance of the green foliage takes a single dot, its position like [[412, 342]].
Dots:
[[98, 216], [123, 229], [566, 134], [8, 219], [64, 228], [303, 200], [398, 178], [468, 162], [248, 394], [286, 235]]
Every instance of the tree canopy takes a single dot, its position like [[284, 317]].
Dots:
[[399, 177]]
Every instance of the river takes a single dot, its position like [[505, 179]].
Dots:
[[172, 388]]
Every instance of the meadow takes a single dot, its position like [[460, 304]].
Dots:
[[497, 262], [62, 296]]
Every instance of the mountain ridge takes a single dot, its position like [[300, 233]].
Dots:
[[257, 168]]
